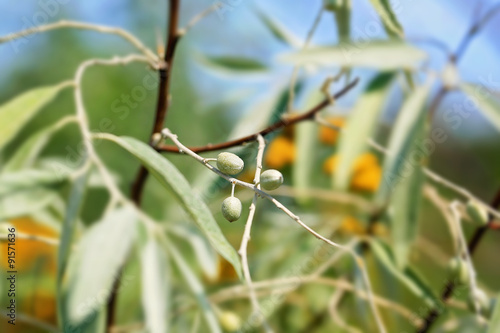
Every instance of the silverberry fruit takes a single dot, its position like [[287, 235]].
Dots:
[[229, 163], [271, 179], [231, 209]]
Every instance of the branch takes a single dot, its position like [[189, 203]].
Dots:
[[87, 26], [287, 283], [162, 106], [309, 115], [246, 238], [163, 102], [36, 238], [450, 286], [432, 175], [357, 259]]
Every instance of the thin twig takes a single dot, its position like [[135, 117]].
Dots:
[[443, 205], [37, 238], [83, 121], [432, 175], [116, 196], [164, 98], [334, 302], [230, 293], [450, 286], [326, 195], [162, 107], [464, 254], [308, 115], [358, 260], [87, 26], [246, 237], [197, 18]]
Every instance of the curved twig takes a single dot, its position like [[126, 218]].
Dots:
[[309, 115]]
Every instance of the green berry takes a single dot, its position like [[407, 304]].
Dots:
[[229, 320], [482, 300], [458, 269], [477, 213], [229, 163], [231, 209], [271, 179]]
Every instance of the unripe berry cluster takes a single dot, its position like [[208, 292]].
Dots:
[[230, 164]]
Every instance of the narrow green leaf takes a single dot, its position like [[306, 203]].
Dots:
[[73, 207], [232, 64], [360, 127], [280, 32], [25, 155], [206, 256], [19, 110], [494, 325], [397, 163], [197, 289], [305, 141], [12, 182], [485, 101], [27, 191], [378, 55], [155, 287], [342, 12], [21, 203], [96, 263], [168, 175], [405, 206], [389, 18], [95, 323], [408, 277]]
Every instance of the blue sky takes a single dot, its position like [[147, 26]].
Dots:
[[443, 20]]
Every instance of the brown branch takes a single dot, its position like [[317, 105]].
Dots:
[[163, 102], [165, 71], [309, 115], [162, 106]]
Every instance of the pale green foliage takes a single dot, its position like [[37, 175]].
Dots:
[[18, 111], [182, 269], [360, 127]]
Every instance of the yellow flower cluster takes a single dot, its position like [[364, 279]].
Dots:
[[280, 153], [329, 136], [34, 254], [352, 226], [366, 173], [29, 252]]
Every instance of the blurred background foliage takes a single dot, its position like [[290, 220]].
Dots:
[[208, 104]]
